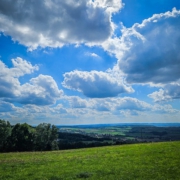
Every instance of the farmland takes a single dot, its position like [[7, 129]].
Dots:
[[127, 133], [138, 161]]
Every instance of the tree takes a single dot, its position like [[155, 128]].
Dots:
[[22, 137], [54, 137], [5, 132], [46, 137]]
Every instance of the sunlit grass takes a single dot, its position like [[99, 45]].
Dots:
[[141, 161]]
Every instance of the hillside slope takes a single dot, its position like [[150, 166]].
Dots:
[[139, 161]]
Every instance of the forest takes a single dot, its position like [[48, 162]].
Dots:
[[44, 137], [23, 137]]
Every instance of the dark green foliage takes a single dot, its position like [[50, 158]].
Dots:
[[46, 137], [23, 137], [5, 132], [75, 141]]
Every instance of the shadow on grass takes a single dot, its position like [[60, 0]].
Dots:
[[84, 175], [55, 178]]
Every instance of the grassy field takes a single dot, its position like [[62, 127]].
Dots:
[[159, 161]]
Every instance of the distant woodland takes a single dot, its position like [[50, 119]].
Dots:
[[23, 137], [44, 137], [47, 137]]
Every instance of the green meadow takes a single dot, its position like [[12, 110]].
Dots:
[[151, 161]]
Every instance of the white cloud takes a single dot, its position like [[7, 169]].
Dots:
[[77, 102], [59, 109], [111, 6], [128, 103], [20, 68], [90, 111], [93, 55], [6, 107], [95, 84], [149, 52], [154, 56], [41, 90], [118, 105], [9, 83], [55, 23], [168, 93], [165, 109]]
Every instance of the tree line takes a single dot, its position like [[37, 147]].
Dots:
[[23, 137], [46, 137]]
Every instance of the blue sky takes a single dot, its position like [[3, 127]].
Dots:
[[90, 61]]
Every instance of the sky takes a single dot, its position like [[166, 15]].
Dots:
[[90, 61]]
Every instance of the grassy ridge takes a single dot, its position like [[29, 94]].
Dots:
[[159, 161]]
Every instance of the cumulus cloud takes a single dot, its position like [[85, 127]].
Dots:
[[20, 68], [112, 6], [149, 52], [128, 103], [167, 108], [9, 83], [55, 23], [77, 102], [95, 84], [154, 54], [169, 92], [41, 90]]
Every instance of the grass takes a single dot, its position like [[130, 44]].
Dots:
[[156, 161]]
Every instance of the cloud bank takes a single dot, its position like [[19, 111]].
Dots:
[[55, 23], [153, 54], [148, 53], [118, 105]]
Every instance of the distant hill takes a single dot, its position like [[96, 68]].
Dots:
[[122, 124]]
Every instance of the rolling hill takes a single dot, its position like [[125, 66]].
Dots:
[[151, 161]]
